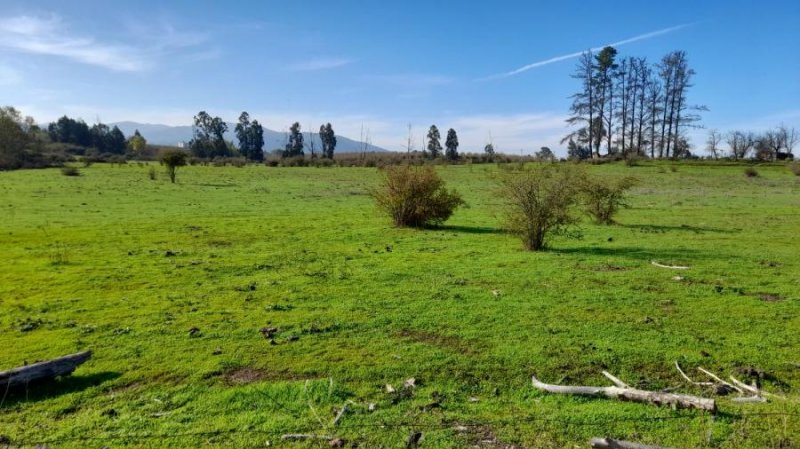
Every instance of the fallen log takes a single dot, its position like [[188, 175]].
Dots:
[[632, 394], [46, 370], [608, 443]]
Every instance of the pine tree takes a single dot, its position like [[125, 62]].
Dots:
[[434, 145], [451, 143]]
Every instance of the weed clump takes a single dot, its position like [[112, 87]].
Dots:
[[603, 198], [750, 172], [151, 173], [415, 196], [538, 202], [795, 168]]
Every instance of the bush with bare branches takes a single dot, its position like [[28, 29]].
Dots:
[[539, 201], [415, 196]]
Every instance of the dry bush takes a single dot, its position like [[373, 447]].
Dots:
[[795, 168], [604, 197], [750, 172], [415, 196], [539, 202]]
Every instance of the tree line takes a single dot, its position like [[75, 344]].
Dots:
[[771, 145], [208, 139], [23, 143], [628, 106]]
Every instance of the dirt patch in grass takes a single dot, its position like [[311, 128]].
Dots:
[[769, 297], [448, 342], [482, 437], [246, 375], [609, 267]]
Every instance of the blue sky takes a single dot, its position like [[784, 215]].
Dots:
[[384, 65]]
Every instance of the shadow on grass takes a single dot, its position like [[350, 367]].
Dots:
[[686, 228], [37, 391], [643, 254], [469, 229]]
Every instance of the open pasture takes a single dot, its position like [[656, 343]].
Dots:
[[170, 284]]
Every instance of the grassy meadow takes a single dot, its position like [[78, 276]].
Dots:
[[169, 284]]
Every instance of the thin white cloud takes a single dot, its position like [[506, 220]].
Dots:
[[555, 59], [50, 36], [413, 80], [319, 64]]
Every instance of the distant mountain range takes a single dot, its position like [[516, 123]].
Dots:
[[178, 135]]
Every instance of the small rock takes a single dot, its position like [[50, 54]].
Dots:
[[678, 278], [336, 442], [371, 407], [195, 332], [410, 383], [473, 399], [496, 293], [390, 388]]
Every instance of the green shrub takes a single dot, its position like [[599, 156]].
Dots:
[[602, 198], [750, 172], [415, 196], [70, 171], [539, 202], [151, 173]]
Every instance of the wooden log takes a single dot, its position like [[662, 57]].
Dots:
[[608, 443], [46, 370], [632, 394]]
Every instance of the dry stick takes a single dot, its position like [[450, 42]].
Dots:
[[340, 414], [715, 377], [615, 380], [749, 399], [608, 443], [704, 384], [672, 267], [305, 436], [753, 389], [631, 394]]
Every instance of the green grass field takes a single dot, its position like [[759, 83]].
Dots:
[[125, 266]]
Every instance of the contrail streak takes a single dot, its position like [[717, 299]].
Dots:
[[640, 37]]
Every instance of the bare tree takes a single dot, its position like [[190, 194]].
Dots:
[[655, 94], [740, 143], [311, 144], [712, 143], [789, 138], [583, 105]]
